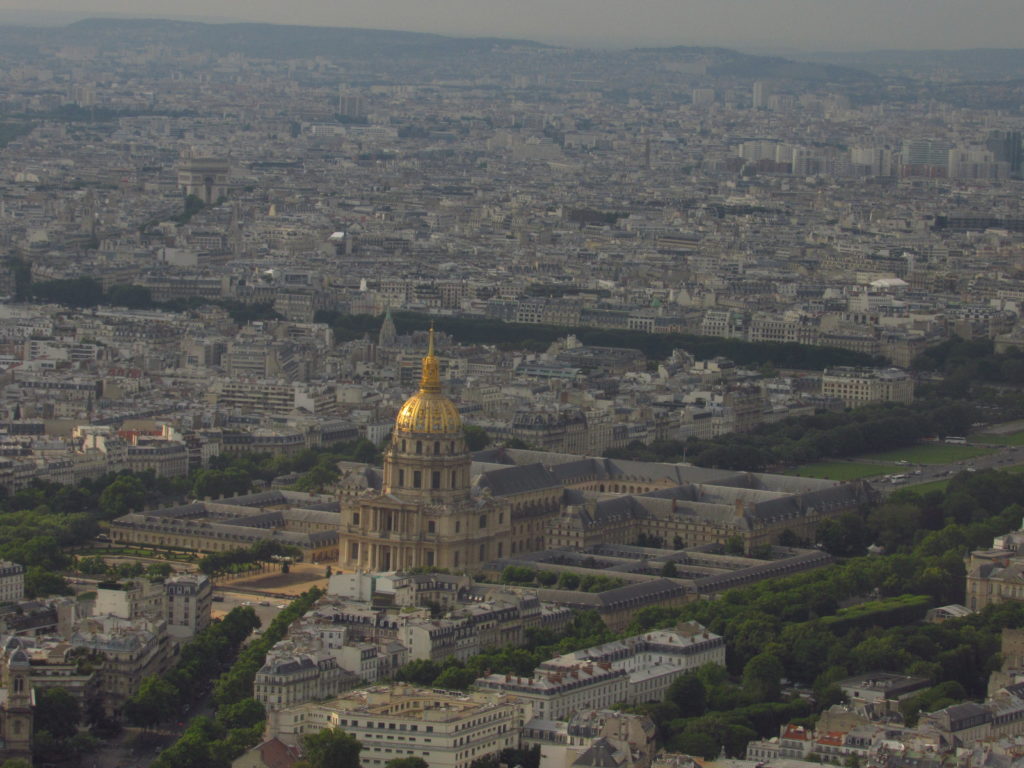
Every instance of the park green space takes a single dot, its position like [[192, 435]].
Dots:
[[842, 470], [929, 454], [941, 485], [923, 488], [1010, 438]]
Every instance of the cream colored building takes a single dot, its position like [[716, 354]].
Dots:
[[132, 651], [135, 599], [860, 386], [652, 660], [12, 582], [189, 604], [555, 694], [288, 679], [446, 729], [590, 735]]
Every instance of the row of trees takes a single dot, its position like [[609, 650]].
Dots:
[[972, 360], [975, 507], [40, 521], [87, 292], [237, 683], [228, 475], [656, 346], [240, 719], [245, 558], [802, 439], [589, 582], [162, 698], [95, 565]]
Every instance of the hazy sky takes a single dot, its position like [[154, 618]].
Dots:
[[800, 24]]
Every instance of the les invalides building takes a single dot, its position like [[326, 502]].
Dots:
[[426, 513]]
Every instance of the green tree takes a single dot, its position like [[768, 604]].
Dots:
[[762, 677], [126, 494], [846, 535], [330, 748], [92, 566], [694, 742], [130, 570], [242, 714], [158, 571], [40, 582], [58, 712], [77, 292], [568, 580], [131, 296], [688, 694], [895, 525], [155, 703], [734, 545], [455, 678], [476, 437], [419, 671], [407, 762]]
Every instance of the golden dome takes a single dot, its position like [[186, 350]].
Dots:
[[429, 411]]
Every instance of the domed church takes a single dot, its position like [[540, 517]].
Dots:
[[427, 512]]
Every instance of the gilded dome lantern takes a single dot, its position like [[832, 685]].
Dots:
[[429, 411]]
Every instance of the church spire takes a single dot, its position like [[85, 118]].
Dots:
[[388, 332], [430, 381]]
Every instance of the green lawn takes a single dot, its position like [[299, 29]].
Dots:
[[842, 470], [940, 485], [930, 454], [923, 488], [1010, 438]]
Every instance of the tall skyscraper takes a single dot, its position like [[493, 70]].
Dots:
[[761, 94]]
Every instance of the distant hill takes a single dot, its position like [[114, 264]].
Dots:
[[968, 63], [727, 62], [279, 41], [273, 41]]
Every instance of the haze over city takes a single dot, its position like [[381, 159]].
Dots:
[[764, 24], [542, 384]]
